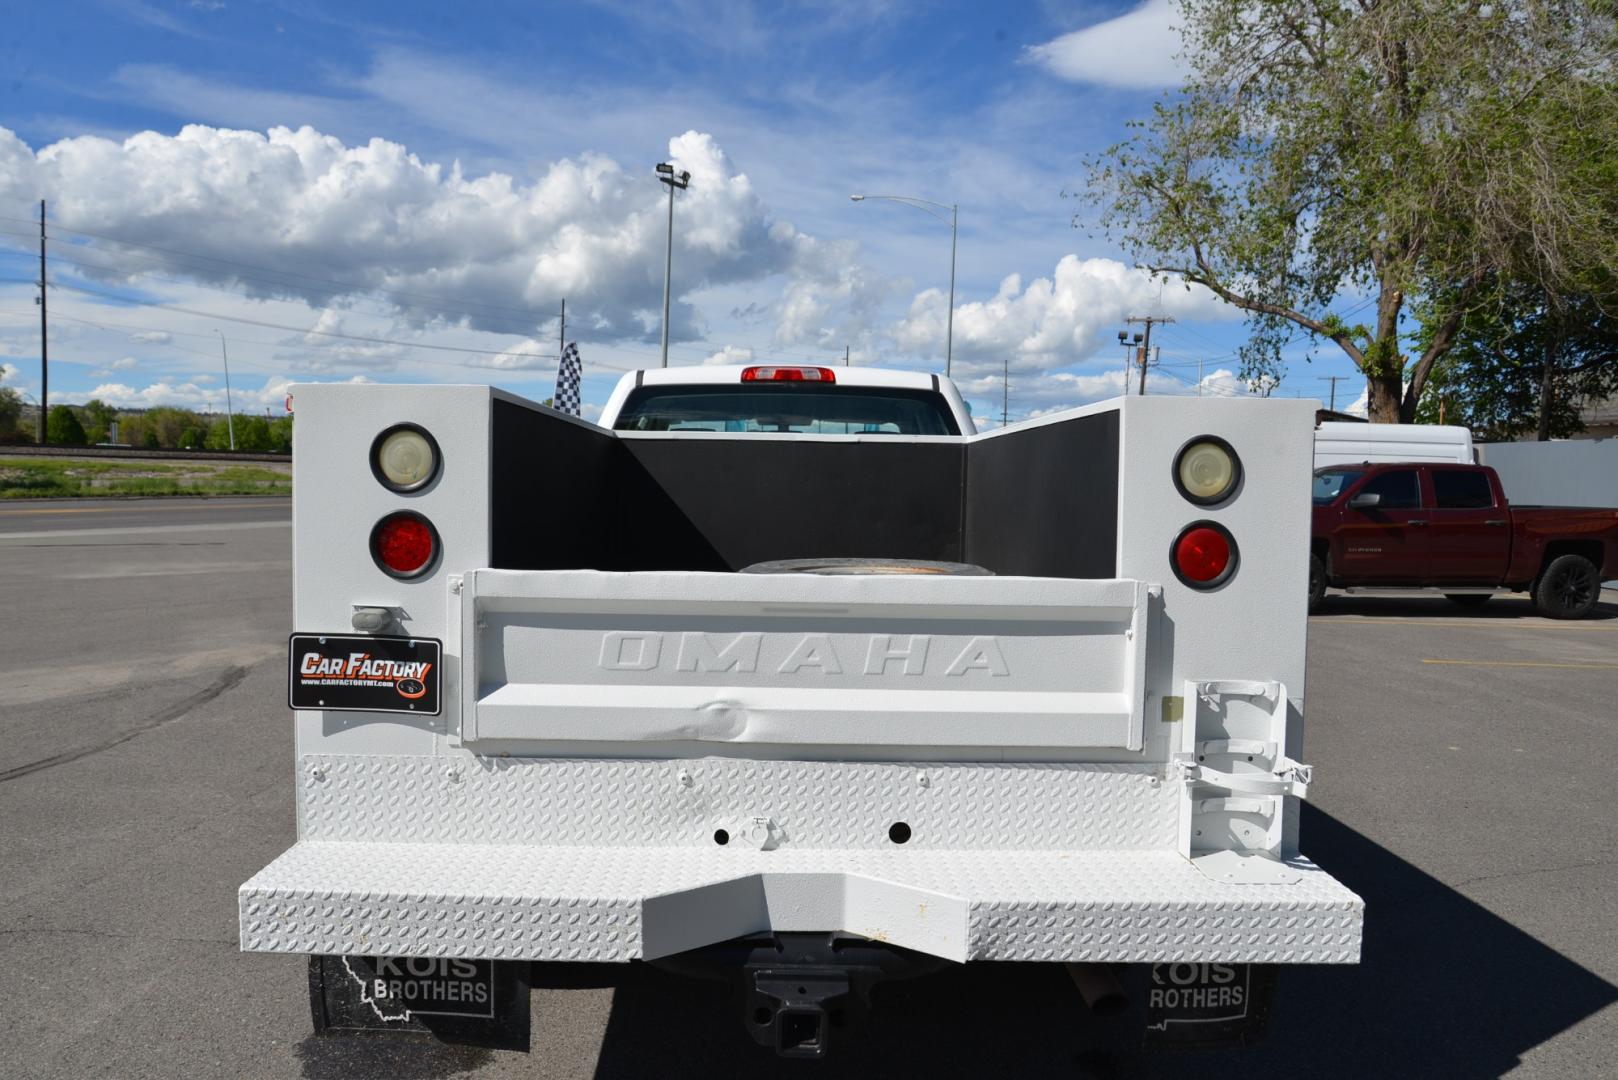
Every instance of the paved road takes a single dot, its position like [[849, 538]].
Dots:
[[1465, 761]]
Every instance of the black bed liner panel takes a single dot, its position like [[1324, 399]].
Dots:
[[566, 496]]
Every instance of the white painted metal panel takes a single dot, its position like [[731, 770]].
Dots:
[[645, 802], [1253, 626], [618, 904], [582, 656]]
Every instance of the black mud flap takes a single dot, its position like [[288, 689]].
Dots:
[[1208, 1006], [470, 1002]]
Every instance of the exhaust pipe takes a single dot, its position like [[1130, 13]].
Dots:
[[1099, 987]]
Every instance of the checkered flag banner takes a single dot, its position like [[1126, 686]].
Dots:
[[567, 381]]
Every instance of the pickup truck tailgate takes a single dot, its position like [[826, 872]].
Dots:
[[574, 656]]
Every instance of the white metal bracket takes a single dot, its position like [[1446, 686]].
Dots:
[[1287, 777], [1235, 774], [1239, 869]]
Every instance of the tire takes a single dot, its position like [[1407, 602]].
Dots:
[[1467, 599], [1317, 583], [1568, 589]]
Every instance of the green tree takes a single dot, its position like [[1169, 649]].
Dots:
[[10, 410], [253, 433], [218, 435], [1398, 149], [167, 424], [1522, 364], [97, 417], [63, 428], [132, 428], [281, 435]]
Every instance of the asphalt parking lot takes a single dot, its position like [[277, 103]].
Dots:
[[1464, 762]]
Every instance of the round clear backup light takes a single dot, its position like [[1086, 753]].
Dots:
[[405, 458], [1207, 470]]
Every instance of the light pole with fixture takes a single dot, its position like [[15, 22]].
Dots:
[[1132, 356], [230, 419], [681, 180], [927, 206]]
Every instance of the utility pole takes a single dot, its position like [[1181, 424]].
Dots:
[[1199, 376], [44, 334], [1334, 380], [1146, 346], [230, 418], [845, 355], [1005, 387], [934, 209], [949, 319], [561, 333], [681, 180]]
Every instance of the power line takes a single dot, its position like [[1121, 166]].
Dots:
[[168, 274], [214, 287], [296, 329], [349, 285]]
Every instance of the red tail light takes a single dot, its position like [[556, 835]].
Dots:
[[404, 544], [789, 374], [1204, 555]]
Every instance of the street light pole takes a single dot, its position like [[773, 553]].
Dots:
[[681, 180], [949, 321], [230, 419], [923, 205]]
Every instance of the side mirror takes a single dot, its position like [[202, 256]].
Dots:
[[1365, 500]]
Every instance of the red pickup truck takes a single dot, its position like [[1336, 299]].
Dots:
[[1450, 527]]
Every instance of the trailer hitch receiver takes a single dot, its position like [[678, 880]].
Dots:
[[795, 1007], [802, 992]]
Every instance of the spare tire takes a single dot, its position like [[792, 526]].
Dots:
[[846, 567]]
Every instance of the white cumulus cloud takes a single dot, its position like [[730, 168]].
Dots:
[[299, 214], [1136, 50], [1052, 321], [191, 393], [730, 354], [123, 363]]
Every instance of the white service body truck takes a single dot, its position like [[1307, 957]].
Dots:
[[542, 716]]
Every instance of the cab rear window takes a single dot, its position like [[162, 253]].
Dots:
[[1461, 489], [795, 408]]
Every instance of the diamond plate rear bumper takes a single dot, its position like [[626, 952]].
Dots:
[[528, 902]]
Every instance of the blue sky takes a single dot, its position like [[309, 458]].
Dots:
[[405, 192]]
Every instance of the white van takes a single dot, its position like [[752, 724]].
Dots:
[[1348, 443]]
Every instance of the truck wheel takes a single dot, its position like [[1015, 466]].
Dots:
[[1568, 588], [1466, 599], [1317, 583]]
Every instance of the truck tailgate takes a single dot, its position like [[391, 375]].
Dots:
[[574, 656]]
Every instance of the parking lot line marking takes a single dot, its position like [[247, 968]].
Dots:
[[1522, 663]]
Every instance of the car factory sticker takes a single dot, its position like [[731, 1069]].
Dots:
[[360, 673]]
